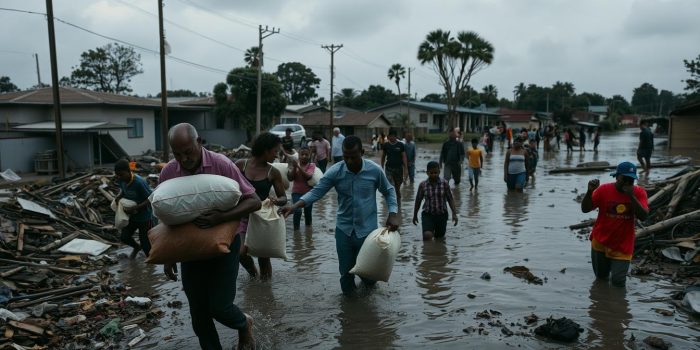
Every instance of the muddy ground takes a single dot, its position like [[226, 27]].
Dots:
[[435, 292]]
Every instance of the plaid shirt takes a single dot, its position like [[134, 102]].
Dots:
[[436, 196]]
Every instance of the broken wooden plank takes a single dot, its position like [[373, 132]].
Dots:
[[26, 327], [11, 272], [60, 242], [677, 196], [667, 224], [20, 238], [50, 267], [55, 297]]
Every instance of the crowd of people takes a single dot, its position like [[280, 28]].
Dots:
[[210, 285]]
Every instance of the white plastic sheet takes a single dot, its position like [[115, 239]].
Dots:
[[84, 246]]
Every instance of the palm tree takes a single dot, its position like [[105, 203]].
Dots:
[[518, 92], [490, 94], [345, 97], [252, 57], [395, 73]]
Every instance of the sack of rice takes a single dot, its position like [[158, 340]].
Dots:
[[121, 219], [377, 255], [266, 236], [318, 174], [187, 242]]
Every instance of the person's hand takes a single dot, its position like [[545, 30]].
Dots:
[[208, 219], [415, 220], [286, 210], [393, 222], [454, 219], [593, 185], [272, 199], [170, 270]]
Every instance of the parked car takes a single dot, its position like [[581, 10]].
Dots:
[[298, 132]]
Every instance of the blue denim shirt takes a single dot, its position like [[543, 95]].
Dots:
[[357, 196]]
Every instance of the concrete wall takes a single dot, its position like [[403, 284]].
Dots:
[[23, 115], [18, 154], [684, 131], [79, 151], [226, 138]]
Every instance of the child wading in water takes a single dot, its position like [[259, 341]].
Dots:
[[301, 172], [437, 194], [476, 160], [135, 188]]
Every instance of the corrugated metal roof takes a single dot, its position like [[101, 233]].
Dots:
[[440, 107], [70, 126]]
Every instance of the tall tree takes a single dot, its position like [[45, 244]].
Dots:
[[183, 93], [346, 97], [455, 60], [692, 84], [644, 99], [299, 82], [374, 96], [489, 95], [6, 85], [434, 98], [108, 69], [518, 92], [396, 73], [242, 102], [252, 57]]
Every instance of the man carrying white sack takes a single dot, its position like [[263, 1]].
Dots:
[[210, 285], [356, 181]]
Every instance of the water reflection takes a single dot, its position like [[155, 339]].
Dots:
[[473, 205], [434, 277], [515, 209], [302, 251], [361, 327], [610, 316]]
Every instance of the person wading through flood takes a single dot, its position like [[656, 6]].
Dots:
[[451, 156], [356, 181], [210, 285], [300, 173], [133, 187], [410, 148], [437, 194], [515, 167], [476, 160], [646, 146], [619, 203], [263, 177], [394, 162]]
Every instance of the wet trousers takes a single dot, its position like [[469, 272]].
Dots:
[[453, 171], [127, 235], [605, 268], [348, 247], [297, 212], [210, 287]]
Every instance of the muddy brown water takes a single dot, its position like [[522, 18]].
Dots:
[[425, 304]]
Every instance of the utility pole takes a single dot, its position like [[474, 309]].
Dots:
[[163, 89], [262, 34], [38, 75], [409, 95], [56, 96], [332, 49]]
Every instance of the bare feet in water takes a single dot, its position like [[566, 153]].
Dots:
[[246, 340]]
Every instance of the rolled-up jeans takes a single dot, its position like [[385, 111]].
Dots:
[[297, 212], [348, 247]]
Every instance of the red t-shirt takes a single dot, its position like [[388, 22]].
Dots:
[[614, 227]]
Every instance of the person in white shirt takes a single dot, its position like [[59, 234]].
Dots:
[[337, 146]]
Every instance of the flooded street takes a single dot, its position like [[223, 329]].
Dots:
[[427, 303]]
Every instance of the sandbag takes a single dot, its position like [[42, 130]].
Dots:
[[377, 255], [313, 181], [283, 169], [266, 236], [183, 199], [121, 219], [187, 242]]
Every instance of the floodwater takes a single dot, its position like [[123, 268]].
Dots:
[[425, 304]]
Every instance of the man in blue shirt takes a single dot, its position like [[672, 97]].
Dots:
[[356, 181], [337, 147], [134, 188]]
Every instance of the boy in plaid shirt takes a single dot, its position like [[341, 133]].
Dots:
[[437, 194]]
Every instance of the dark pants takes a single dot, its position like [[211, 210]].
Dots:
[[210, 287], [605, 268], [127, 235], [297, 212], [435, 223], [322, 164], [453, 171], [337, 159], [411, 171], [348, 247]]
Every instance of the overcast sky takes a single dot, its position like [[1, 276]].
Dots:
[[604, 46]]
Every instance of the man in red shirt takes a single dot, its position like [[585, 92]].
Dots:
[[612, 238]]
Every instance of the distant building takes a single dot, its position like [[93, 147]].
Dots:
[[294, 113], [518, 119], [360, 124]]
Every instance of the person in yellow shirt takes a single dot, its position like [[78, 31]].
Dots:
[[476, 159]]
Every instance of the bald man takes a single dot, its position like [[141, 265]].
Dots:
[[210, 285]]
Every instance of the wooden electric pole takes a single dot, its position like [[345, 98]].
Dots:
[[56, 96], [163, 89], [332, 49], [262, 34]]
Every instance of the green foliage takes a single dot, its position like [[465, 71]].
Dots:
[[396, 73], [434, 98], [6, 85], [183, 93], [242, 102], [373, 96], [107, 69], [692, 84], [644, 99], [299, 82], [489, 95], [455, 60]]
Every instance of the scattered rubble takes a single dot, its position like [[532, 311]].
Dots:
[[657, 343], [524, 273], [561, 329]]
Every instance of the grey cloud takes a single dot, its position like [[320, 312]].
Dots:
[[662, 18]]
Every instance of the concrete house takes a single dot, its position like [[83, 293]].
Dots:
[[684, 127], [428, 117], [360, 124], [98, 127]]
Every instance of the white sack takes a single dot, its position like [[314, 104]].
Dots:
[[377, 255], [121, 219], [313, 181], [84, 246], [266, 235], [283, 168], [183, 199]]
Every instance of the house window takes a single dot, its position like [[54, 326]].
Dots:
[[135, 127], [423, 118]]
